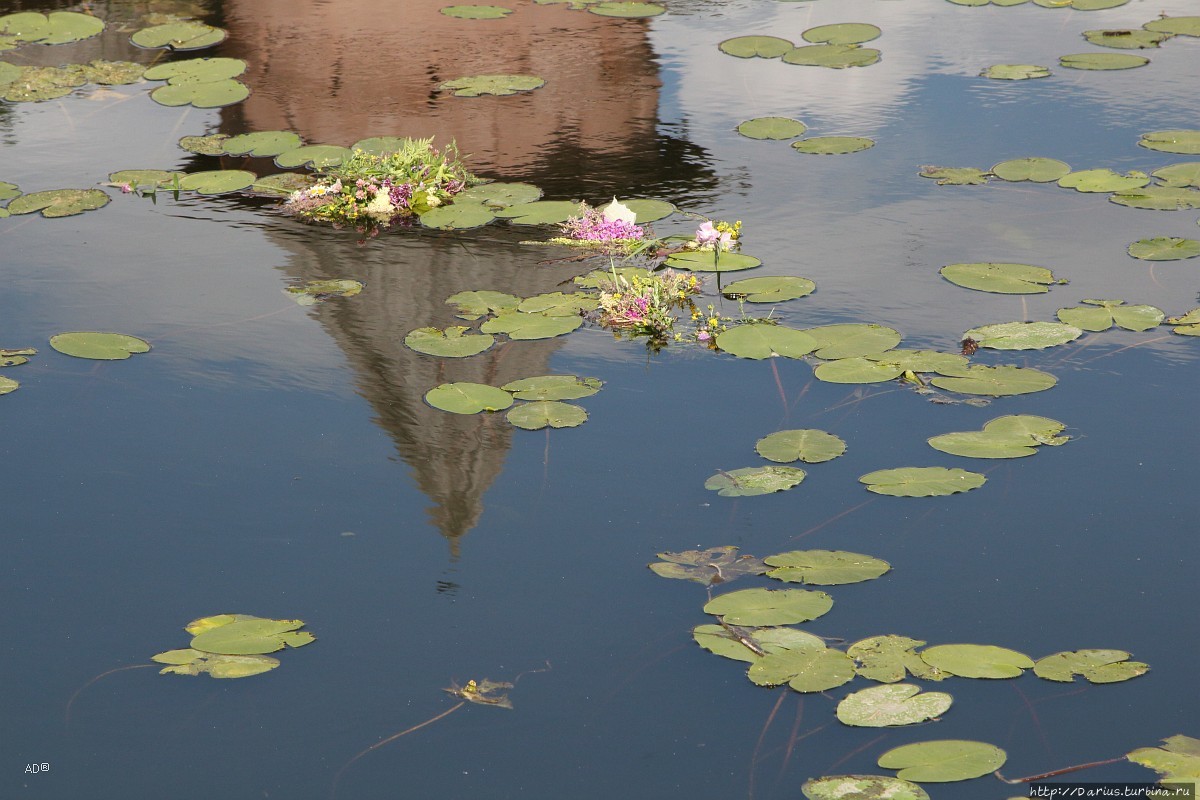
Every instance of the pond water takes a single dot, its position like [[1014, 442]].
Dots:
[[275, 460]]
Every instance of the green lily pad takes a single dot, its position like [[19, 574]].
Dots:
[[778, 128], [856, 370], [38, 84], [98, 346], [825, 567], [1179, 26], [146, 178], [1178, 760], [476, 12], [892, 704], [541, 212], [112, 73], [476, 85], [499, 194], [1188, 324], [209, 94], [1126, 39], [196, 70], [977, 660], [1043, 429], [712, 261], [921, 482], [1102, 61], [313, 292], [1010, 436], [553, 387], [1001, 278], [1103, 180], [834, 56], [316, 156], [1176, 175], [59, 202], [458, 216], [211, 145], [833, 145], [453, 342], [558, 304], [519, 325], [630, 10], [1023, 335], [804, 444], [183, 35], [722, 641], [547, 414], [1096, 666], [219, 181], [842, 33], [1015, 72], [709, 567], [8, 385], [244, 635], [8, 73], [647, 209], [774, 289], [803, 670], [919, 360], [760, 607], [1038, 170], [468, 398], [1165, 248], [755, 46], [955, 176], [473, 305], [862, 787], [262, 143], [25, 26], [854, 339], [889, 658], [282, 183], [1110, 312], [765, 341], [65, 27], [995, 381], [1158, 198], [195, 662], [1183, 141], [753, 481], [943, 760]]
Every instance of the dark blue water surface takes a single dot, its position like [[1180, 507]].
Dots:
[[279, 461]]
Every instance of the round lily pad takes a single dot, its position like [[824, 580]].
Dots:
[[1158, 198], [995, 381], [59, 202], [920, 360], [546, 414], [842, 33], [453, 342], [712, 261], [8, 73], [717, 639], [1000, 278], [852, 339], [981, 444], [98, 346], [473, 305], [955, 176], [889, 658], [778, 128], [1015, 72], [834, 56], [476, 85], [1180, 175], [282, 183], [262, 143], [1096, 666], [977, 660], [803, 670], [145, 178], [183, 35], [1165, 248], [214, 94], [804, 444], [553, 387], [647, 209], [755, 46], [1103, 180], [892, 704], [522, 326], [196, 70], [759, 607], [316, 156], [861, 787], [219, 181], [857, 370], [468, 398], [541, 212], [1126, 38], [65, 27], [825, 567], [1179, 26], [558, 304], [775, 289], [459, 215], [1038, 170], [194, 662], [476, 12], [1106, 313], [752, 481], [921, 481], [252, 636], [499, 194], [833, 145], [943, 760], [1023, 335], [1184, 141], [1102, 61], [764, 341], [630, 10], [212, 145]]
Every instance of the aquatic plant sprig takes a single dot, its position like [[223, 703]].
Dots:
[[644, 305]]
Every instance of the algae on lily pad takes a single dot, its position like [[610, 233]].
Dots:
[[1023, 335], [921, 482], [56, 203], [1185, 141], [753, 481], [765, 341], [755, 46], [519, 325], [778, 128], [182, 35], [194, 662], [218, 181], [977, 660], [262, 143], [943, 760], [477, 85], [842, 33], [892, 704], [803, 444], [825, 567], [995, 381], [708, 567], [775, 289], [553, 387], [833, 145], [211, 145], [1035, 169], [98, 346], [759, 607], [834, 56], [889, 658], [38, 84], [1165, 248], [475, 304], [861, 787], [313, 292], [112, 73], [453, 342], [468, 398], [457, 216], [1015, 72], [955, 176], [476, 12], [1103, 180], [1109, 312], [712, 261], [803, 670], [1102, 61], [1096, 666], [1000, 277], [547, 414]]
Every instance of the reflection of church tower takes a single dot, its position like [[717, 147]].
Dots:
[[339, 72]]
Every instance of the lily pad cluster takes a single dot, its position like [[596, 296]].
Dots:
[[13, 357], [37, 84], [57, 27], [834, 46], [543, 396], [611, 8], [1012, 436], [199, 82], [233, 646], [783, 128]]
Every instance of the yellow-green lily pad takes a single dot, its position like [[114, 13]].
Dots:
[[98, 346]]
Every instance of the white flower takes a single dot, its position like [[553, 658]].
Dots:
[[618, 212], [381, 207]]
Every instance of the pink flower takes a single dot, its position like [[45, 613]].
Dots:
[[708, 234], [702, 336], [126, 188]]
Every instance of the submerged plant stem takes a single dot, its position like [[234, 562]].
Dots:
[[758, 745], [79, 691], [1057, 772], [392, 738]]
